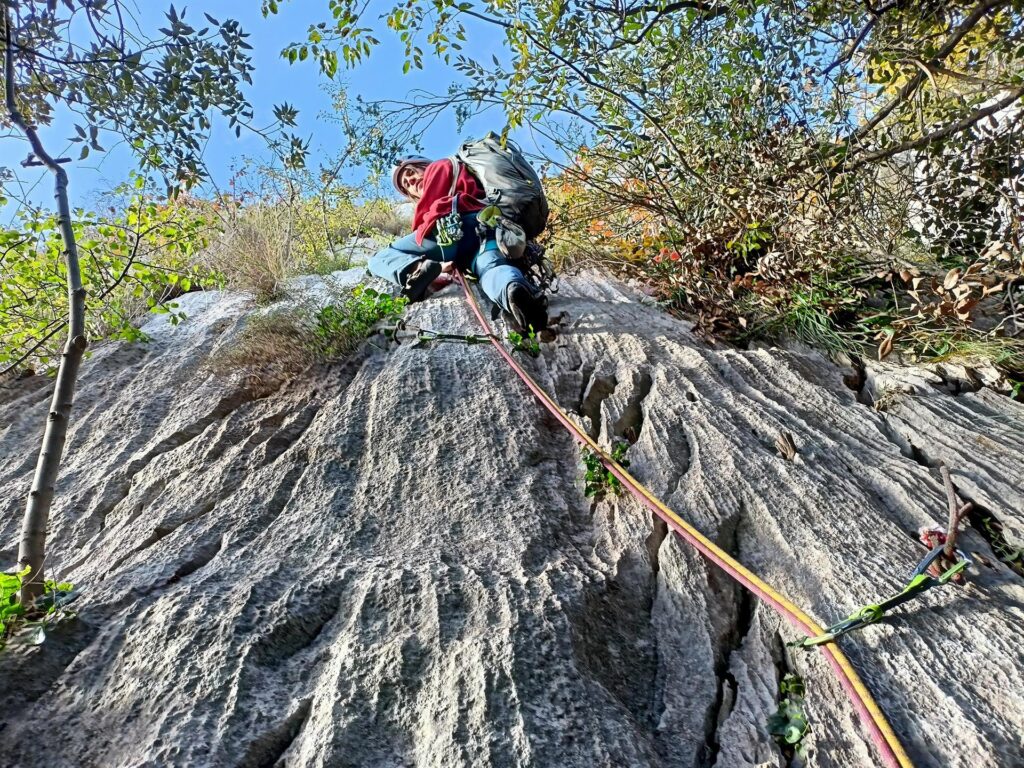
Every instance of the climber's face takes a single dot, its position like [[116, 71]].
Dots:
[[409, 181]]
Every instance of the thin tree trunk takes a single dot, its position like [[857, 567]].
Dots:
[[37, 512]]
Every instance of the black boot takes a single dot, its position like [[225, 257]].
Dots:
[[528, 309], [424, 273]]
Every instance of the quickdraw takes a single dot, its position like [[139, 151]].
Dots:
[[920, 582], [448, 229], [424, 336]]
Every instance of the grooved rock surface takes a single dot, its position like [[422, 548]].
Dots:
[[391, 561]]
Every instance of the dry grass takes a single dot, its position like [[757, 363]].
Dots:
[[255, 251], [270, 347], [283, 342]]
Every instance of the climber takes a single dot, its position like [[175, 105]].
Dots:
[[446, 235]]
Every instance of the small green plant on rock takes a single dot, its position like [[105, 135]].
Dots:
[[527, 344], [598, 479], [789, 725], [29, 624], [339, 328]]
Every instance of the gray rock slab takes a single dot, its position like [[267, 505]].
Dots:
[[390, 561]]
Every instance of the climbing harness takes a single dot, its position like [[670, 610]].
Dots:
[[424, 336], [878, 727], [920, 582]]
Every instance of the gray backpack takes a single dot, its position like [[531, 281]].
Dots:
[[508, 181]]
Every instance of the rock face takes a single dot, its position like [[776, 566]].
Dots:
[[391, 562]]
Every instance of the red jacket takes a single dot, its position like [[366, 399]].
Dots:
[[437, 200]]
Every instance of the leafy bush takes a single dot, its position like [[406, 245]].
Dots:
[[789, 724], [254, 251], [744, 157], [526, 344], [131, 263], [31, 622], [279, 223], [339, 329]]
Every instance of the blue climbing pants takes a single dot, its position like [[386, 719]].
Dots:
[[492, 269]]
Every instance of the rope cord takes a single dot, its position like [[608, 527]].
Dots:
[[868, 710]]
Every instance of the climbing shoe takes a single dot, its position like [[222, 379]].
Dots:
[[420, 278], [528, 309]]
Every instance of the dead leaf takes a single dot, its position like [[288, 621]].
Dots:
[[993, 289], [886, 346], [786, 446], [964, 307], [952, 278]]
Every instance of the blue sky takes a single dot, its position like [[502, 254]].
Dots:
[[275, 81]]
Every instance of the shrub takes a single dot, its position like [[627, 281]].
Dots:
[[131, 263], [30, 622]]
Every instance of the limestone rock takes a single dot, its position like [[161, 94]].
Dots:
[[391, 562]]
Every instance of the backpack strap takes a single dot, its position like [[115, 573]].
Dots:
[[456, 167]]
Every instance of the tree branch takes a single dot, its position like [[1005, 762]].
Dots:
[[948, 47], [942, 133]]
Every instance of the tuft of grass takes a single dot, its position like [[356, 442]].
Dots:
[[1002, 352], [810, 316], [254, 251], [284, 342], [270, 346], [993, 532]]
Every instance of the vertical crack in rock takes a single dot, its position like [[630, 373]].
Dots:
[[906, 446], [601, 387], [653, 543], [782, 668], [271, 746], [991, 531], [163, 531], [200, 558], [725, 699], [631, 422], [990, 528], [284, 493], [288, 435], [857, 380], [737, 607], [300, 627], [587, 373], [158, 533], [659, 532]]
